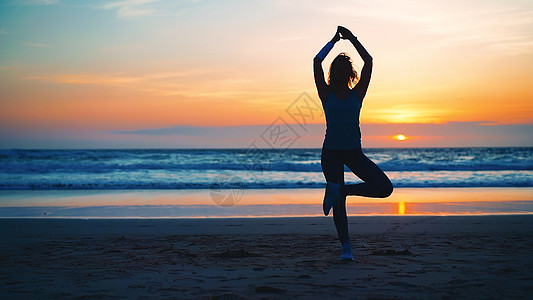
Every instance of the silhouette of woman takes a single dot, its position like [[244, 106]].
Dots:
[[342, 98]]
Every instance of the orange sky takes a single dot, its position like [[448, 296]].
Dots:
[[140, 64]]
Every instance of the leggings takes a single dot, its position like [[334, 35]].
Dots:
[[375, 183]]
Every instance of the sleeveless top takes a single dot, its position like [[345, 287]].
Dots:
[[342, 122]]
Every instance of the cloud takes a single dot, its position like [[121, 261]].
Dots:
[[478, 128], [247, 131], [501, 26], [87, 78], [132, 8], [151, 82], [451, 134], [498, 28], [180, 83]]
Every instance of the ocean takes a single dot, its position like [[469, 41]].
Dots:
[[255, 169], [188, 183]]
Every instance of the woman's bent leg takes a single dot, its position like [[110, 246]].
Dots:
[[375, 183]]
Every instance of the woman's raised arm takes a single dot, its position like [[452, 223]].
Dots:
[[321, 85], [366, 72]]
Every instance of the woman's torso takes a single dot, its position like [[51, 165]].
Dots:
[[342, 121]]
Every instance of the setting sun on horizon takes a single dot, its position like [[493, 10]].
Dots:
[[400, 137], [104, 73]]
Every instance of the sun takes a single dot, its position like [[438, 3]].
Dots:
[[400, 137]]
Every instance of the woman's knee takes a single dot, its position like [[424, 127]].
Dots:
[[384, 188], [387, 189]]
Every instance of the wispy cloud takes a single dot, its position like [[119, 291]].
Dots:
[[248, 130], [158, 83], [506, 29], [501, 26], [451, 134], [132, 8], [87, 78]]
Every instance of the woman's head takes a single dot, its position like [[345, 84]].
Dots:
[[342, 73]]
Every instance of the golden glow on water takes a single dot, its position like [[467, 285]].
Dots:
[[263, 203], [254, 197], [401, 208]]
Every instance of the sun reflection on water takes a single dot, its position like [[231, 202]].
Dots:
[[401, 208]]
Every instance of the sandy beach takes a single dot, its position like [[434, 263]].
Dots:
[[405, 257]]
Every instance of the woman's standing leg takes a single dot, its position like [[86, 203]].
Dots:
[[341, 221], [332, 166], [333, 169], [375, 184]]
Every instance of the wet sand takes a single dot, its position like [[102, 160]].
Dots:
[[257, 203], [404, 257]]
